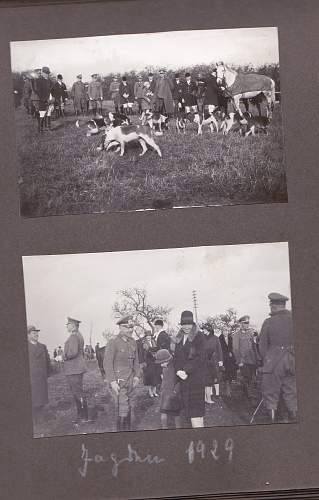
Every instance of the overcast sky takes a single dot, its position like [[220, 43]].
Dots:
[[119, 53], [84, 286]]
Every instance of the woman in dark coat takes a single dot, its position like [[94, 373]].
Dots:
[[152, 371], [189, 363], [214, 360], [39, 362]]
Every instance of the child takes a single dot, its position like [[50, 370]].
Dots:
[[170, 402]]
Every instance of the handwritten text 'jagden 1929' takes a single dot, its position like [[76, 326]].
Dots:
[[195, 449]]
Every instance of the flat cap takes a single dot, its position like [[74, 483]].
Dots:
[[125, 320], [73, 320], [277, 298], [32, 328], [244, 319]]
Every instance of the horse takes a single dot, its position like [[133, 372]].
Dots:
[[246, 86]]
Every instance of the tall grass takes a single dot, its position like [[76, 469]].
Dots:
[[61, 172]]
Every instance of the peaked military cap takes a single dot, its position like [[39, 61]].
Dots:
[[277, 298], [94, 74], [75, 321], [32, 328], [79, 76], [244, 319], [125, 320], [159, 322]]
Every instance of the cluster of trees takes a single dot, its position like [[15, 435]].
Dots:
[[134, 302], [271, 70]]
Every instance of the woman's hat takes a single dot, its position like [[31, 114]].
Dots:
[[163, 356], [208, 327], [187, 318]]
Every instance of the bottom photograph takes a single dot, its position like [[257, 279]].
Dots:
[[160, 339]]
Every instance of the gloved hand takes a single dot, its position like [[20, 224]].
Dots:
[[135, 381], [182, 374], [115, 386]]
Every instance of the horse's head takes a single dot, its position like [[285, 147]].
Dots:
[[220, 72]]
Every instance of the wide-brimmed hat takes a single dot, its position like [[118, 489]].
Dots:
[[187, 318], [163, 356]]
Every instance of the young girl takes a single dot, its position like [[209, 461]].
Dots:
[[170, 402]]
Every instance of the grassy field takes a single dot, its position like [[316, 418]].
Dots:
[[61, 172]]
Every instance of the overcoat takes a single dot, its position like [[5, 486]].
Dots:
[[39, 362], [163, 90], [190, 357], [74, 363], [95, 90], [126, 89], [59, 91], [177, 91], [228, 357], [170, 382], [189, 93], [211, 91], [244, 347], [276, 342], [213, 355], [79, 95]]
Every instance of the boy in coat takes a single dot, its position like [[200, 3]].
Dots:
[[170, 402]]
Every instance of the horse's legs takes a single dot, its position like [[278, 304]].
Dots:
[[246, 104]]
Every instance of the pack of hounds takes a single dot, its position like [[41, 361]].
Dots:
[[119, 131]]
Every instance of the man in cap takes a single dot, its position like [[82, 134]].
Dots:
[[277, 350], [122, 370], [244, 349], [59, 94], [74, 368], [78, 94], [95, 92], [39, 362]]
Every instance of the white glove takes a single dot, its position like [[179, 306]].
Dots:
[[135, 381], [220, 363], [181, 374], [115, 386]]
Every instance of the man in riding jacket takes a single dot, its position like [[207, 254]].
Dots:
[[277, 350], [122, 370]]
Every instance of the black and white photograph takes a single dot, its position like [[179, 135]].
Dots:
[[160, 339], [148, 121]]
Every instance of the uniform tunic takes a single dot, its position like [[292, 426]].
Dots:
[[39, 362], [277, 350], [121, 364], [74, 364]]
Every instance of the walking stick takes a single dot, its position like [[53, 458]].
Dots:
[[255, 412]]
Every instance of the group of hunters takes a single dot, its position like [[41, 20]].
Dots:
[[45, 96], [183, 370]]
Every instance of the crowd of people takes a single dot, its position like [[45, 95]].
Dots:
[[184, 370], [44, 96]]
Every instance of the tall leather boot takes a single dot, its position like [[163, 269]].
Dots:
[[79, 411], [128, 421], [292, 416], [85, 411], [272, 416]]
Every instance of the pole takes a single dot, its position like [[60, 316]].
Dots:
[[195, 305]]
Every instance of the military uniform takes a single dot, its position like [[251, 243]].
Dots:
[[74, 369], [245, 352], [121, 365], [277, 350]]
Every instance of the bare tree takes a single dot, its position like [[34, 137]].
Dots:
[[134, 301], [226, 323]]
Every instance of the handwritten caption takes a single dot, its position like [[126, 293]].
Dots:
[[196, 450]]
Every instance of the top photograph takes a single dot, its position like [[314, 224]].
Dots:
[[148, 121]]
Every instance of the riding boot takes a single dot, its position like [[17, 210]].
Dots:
[[39, 123], [272, 416], [42, 124], [85, 411], [79, 411], [128, 421], [49, 123], [119, 424]]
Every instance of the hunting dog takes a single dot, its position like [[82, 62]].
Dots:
[[97, 124], [200, 119], [156, 121], [255, 124], [125, 134], [234, 121]]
